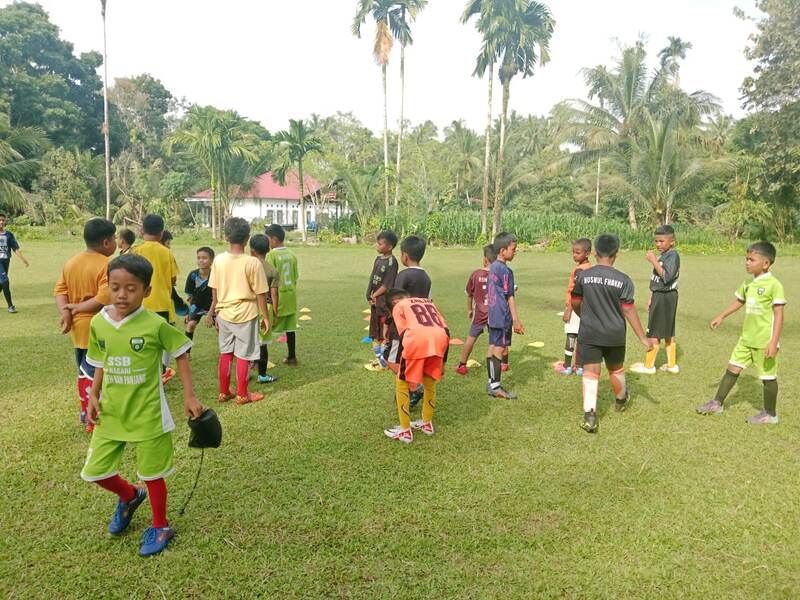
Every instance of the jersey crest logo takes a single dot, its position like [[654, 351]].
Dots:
[[761, 291], [137, 343], [102, 345]]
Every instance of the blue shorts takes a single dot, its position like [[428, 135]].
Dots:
[[84, 368], [476, 329], [500, 337]]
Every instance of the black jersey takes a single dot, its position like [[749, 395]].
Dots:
[[384, 271], [415, 281], [671, 263], [604, 291], [198, 289]]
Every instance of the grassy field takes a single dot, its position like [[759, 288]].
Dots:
[[306, 498]]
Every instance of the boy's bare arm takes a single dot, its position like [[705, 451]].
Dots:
[[261, 299], [273, 292], [87, 306], [470, 308], [190, 402], [576, 304], [777, 325], [18, 252], [629, 310], [517, 324], [66, 314], [213, 309], [732, 308], [93, 413]]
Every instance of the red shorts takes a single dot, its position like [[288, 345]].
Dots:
[[414, 369]]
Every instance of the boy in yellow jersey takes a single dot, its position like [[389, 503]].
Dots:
[[165, 274], [764, 301], [81, 291]]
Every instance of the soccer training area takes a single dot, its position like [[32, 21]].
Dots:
[[306, 498]]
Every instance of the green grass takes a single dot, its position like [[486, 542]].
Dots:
[[306, 498]]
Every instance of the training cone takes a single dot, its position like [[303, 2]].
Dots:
[[472, 363], [374, 366], [456, 342], [366, 328], [560, 314], [304, 318], [366, 311], [366, 340], [282, 339], [305, 309], [366, 318], [536, 344]]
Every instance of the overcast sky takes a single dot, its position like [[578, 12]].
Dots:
[[272, 60]]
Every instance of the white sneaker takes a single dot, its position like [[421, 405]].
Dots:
[[667, 369], [399, 434], [642, 370], [426, 428]]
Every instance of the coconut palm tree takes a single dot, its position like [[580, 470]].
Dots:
[[670, 56], [386, 15], [516, 36], [408, 9], [294, 144], [361, 186], [19, 149], [464, 145]]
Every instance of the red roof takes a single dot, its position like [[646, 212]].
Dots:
[[265, 187]]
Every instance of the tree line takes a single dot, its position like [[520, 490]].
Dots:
[[638, 148]]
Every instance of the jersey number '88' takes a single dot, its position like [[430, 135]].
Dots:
[[427, 315]]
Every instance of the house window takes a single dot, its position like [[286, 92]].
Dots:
[[294, 217], [308, 216], [280, 217], [270, 216]]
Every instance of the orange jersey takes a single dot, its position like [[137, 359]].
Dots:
[[83, 277], [421, 327], [571, 286]]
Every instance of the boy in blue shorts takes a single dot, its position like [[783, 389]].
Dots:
[[126, 343], [503, 317], [477, 306], [764, 301]]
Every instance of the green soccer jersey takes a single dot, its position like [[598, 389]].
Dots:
[[285, 262], [760, 295], [133, 407]]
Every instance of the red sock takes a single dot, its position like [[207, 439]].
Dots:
[[84, 385], [225, 361], [157, 492], [119, 486], [242, 373]]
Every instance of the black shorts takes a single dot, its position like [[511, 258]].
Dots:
[[663, 312], [377, 320], [590, 354], [197, 315]]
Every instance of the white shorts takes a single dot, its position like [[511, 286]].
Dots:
[[241, 339], [573, 325]]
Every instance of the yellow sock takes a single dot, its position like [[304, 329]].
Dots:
[[672, 353], [650, 357], [429, 399], [403, 403]]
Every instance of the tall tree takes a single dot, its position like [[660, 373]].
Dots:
[[465, 161], [671, 55], [518, 36], [294, 145], [144, 106], [106, 127], [20, 148]]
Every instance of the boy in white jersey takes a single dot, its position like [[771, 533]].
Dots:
[[126, 343]]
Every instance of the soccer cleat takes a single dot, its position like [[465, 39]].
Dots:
[[561, 369], [712, 407], [267, 378], [589, 424], [89, 427], [290, 362], [399, 434], [426, 428], [503, 367], [415, 396], [642, 369], [124, 513], [499, 392], [462, 369], [762, 418], [83, 417], [579, 371], [223, 397], [167, 375], [667, 369], [154, 540], [13, 310], [251, 397], [621, 405]]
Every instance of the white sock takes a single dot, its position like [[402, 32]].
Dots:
[[590, 385]]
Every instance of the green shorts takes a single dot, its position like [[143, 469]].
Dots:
[[744, 356], [285, 323], [154, 458]]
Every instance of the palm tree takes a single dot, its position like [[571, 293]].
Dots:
[[464, 146], [361, 185], [218, 140], [402, 31], [517, 36], [386, 17], [105, 113], [669, 56], [18, 148], [295, 144]]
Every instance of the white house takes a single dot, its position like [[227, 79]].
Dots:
[[275, 203]]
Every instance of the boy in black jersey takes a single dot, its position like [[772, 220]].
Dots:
[[381, 280], [603, 299], [413, 278]]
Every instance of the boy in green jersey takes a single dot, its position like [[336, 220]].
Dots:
[[285, 262], [126, 343], [763, 299]]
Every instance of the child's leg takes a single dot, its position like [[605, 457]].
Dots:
[[569, 349], [650, 357], [242, 373], [119, 486], [291, 342], [504, 357], [225, 361], [672, 352], [190, 327], [403, 400], [263, 359], [467, 350], [616, 373], [591, 380], [157, 492], [727, 382], [429, 399], [770, 396], [494, 362]]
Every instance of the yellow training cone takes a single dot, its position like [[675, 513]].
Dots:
[[270, 364], [305, 310], [366, 328], [536, 344], [366, 311], [472, 363], [304, 318]]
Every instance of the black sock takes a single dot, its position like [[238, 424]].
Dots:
[[771, 396], [505, 359], [493, 368], [263, 359], [190, 335], [569, 349], [726, 385], [291, 343], [7, 293]]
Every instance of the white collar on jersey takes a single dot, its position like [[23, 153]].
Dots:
[[118, 324], [762, 276]]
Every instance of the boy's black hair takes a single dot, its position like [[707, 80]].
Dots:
[[136, 265], [237, 230], [96, 230], [259, 244], [489, 253], [665, 230], [166, 236], [606, 245], [584, 243], [128, 235], [396, 293], [414, 247], [389, 236], [275, 231], [207, 250], [765, 249], [503, 240], [153, 224], [3, 216]]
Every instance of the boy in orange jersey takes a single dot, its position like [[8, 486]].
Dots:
[[81, 291], [424, 341]]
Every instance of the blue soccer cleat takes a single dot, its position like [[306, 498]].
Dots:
[[154, 540], [124, 513], [267, 378], [416, 396]]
